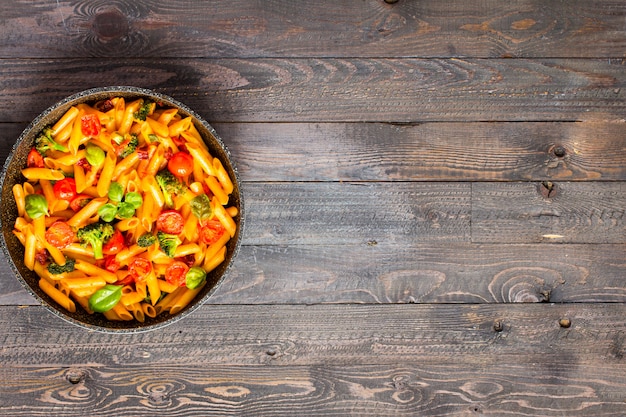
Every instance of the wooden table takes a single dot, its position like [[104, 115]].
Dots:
[[435, 207]]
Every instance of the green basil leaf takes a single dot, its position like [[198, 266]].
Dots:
[[94, 155], [125, 210], [134, 199], [116, 192], [36, 205], [107, 212], [195, 277], [105, 298], [201, 207]]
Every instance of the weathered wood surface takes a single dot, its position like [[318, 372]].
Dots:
[[324, 360], [443, 390], [420, 273], [329, 28], [339, 90], [463, 151], [423, 181], [330, 335]]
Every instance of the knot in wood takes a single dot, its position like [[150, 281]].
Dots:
[[158, 398], [498, 326], [559, 151], [110, 24], [75, 376], [547, 189]]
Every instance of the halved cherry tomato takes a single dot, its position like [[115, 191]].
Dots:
[[65, 189], [111, 264], [176, 273], [115, 244], [90, 125], [180, 164], [34, 159], [59, 234], [170, 221], [139, 268], [80, 201], [211, 231]]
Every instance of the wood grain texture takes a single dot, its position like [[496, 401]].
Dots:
[[462, 390], [338, 90], [427, 152], [425, 273], [424, 152], [343, 213], [244, 28], [570, 213], [434, 195], [451, 273], [331, 335]]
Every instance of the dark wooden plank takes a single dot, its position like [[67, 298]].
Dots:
[[9, 133], [342, 213], [338, 90], [287, 335], [423, 152], [563, 212], [460, 389], [427, 152], [452, 273], [426, 273], [337, 28]]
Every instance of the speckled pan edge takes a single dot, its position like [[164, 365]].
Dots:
[[14, 251]]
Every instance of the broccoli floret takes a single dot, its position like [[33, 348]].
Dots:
[[146, 240], [95, 234], [129, 147], [170, 186], [168, 243], [144, 111], [44, 142], [55, 268]]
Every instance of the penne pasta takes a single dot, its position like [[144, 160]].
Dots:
[[91, 208], [153, 288], [122, 312], [90, 283], [107, 226], [30, 248], [184, 299], [217, 190], [36, 174], [210, 264], [222, 215], [222, 176], [132, 298], [202, 158], [137, 312], [20, 199], [106, 176], [60, 298], [128, 116], [76, 134], [125, 165], [65, 120], [93, 270]]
